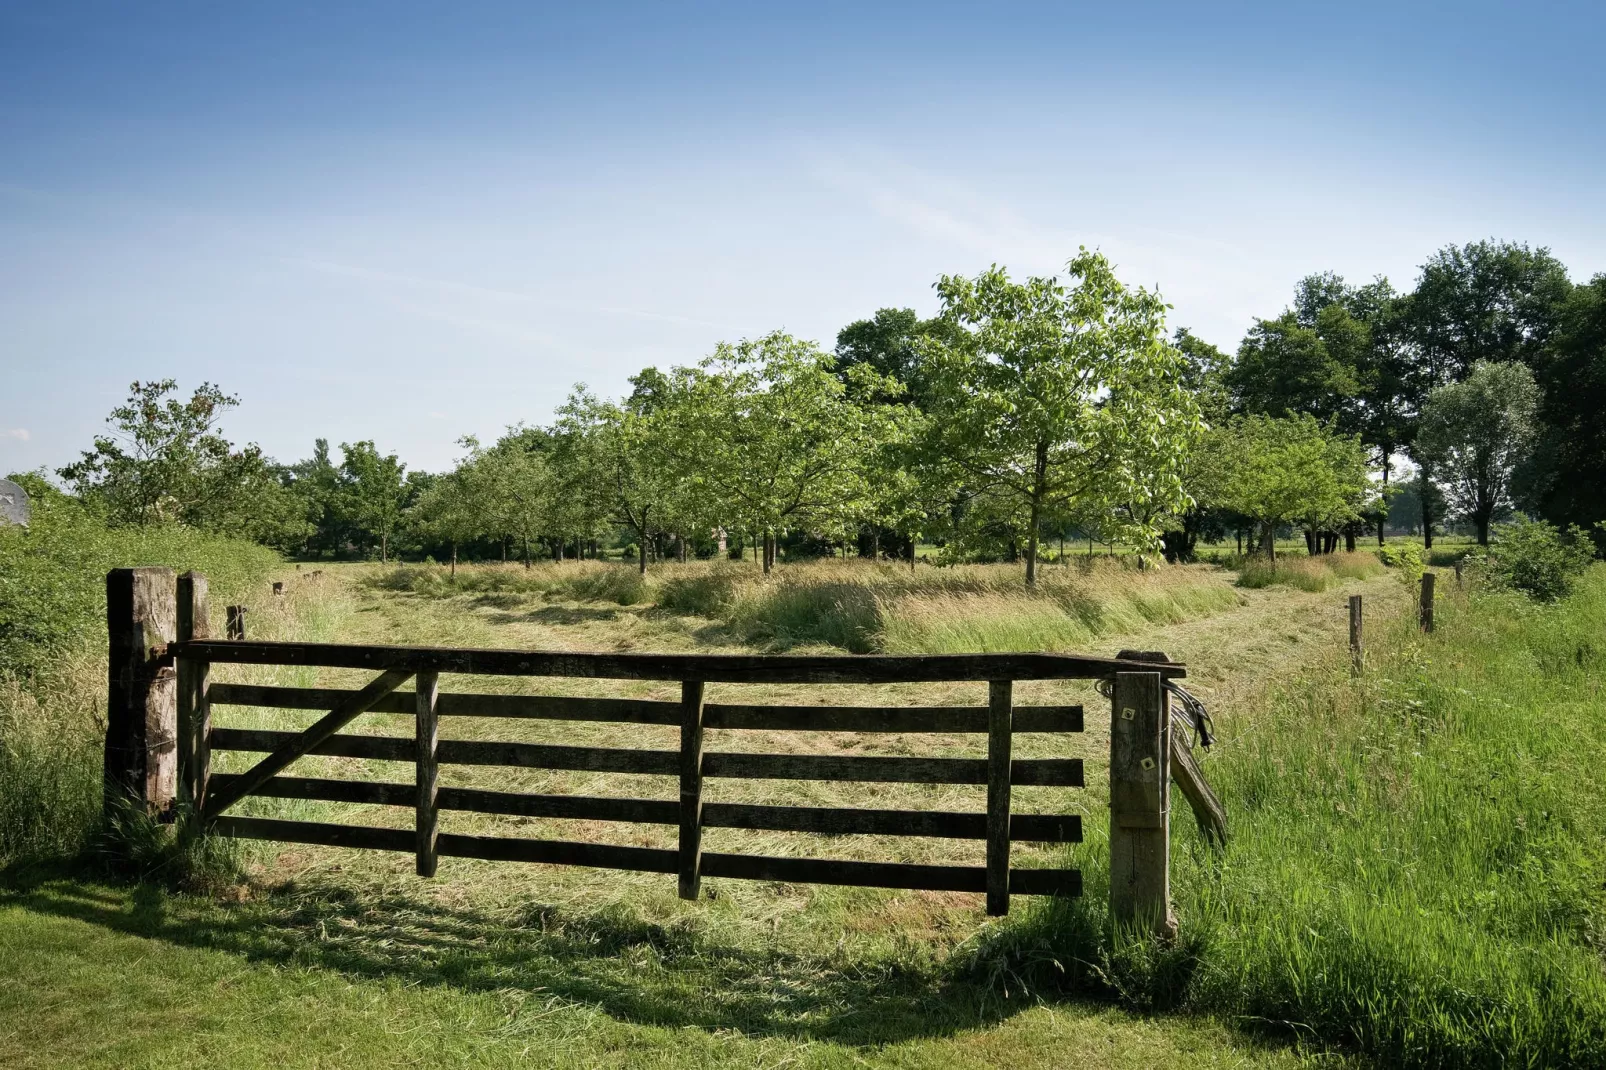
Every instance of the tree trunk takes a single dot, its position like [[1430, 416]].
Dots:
[[526, 551], [1269, 541], [1310, 542], [1031, 548], [641, 553], [384, 549], [454, 560], [1349, 537], [1482, 520]]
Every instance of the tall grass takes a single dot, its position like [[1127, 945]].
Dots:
[[864, 607], [1305, 573], [53, 658], [1418, 856]]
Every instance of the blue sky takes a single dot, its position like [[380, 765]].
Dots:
[[411, 223]]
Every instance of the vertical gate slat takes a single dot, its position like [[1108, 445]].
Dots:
[[691, 788], [194, 707], [428, 737], [1000, 700]]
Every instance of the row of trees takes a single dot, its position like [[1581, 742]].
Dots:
[[1025, 408]]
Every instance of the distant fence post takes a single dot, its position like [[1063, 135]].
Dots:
[[1140, 795], [1355, 649], [194, 706], [1426, 613], [236, 622], [142, 691]]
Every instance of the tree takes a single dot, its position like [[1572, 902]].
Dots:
[[1484, 301], [889, 344], [374, 491], [1049, 395], [167, 461], [621, 452], [1474, 434], [1285, 366], [1292, 469], [771, 439], [1568, 479], [454, 507], [521, 489]]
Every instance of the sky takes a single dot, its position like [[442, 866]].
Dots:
[[410, 223]]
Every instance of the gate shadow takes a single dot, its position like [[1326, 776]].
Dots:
[[632, 969]]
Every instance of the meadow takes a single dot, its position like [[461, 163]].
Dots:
[[1414, 876]]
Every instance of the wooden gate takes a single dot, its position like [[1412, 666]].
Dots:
[[212, 795]]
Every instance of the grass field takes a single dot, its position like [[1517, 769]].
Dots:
[[1364, 909]]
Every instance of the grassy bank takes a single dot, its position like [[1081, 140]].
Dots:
[[1417, 861], [53, 657]]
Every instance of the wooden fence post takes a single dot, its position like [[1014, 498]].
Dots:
[[428, 739], [691, 788], [1000, 696], [194, 706], [142, 689], [1355, 648], [236, 622], [1427, 602], [278, 588], [1140, 795]]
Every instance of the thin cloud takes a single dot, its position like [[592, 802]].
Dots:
[[19, 433]]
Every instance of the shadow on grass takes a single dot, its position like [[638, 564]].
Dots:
[[633, 969]]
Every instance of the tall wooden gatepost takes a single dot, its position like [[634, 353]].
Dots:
[[1140, 803], [142, 689]]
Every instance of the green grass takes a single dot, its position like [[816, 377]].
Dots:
[[1415, 874], [859, 606], [52, 657], [1417, 857]]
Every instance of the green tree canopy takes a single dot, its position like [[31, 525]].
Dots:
[[1049, 395], [1291, 469], [1475, 433]]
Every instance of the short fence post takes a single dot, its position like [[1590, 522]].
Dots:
[[236, 622], [142, 689], [278, 587], [1427, 602], [1000, 700], [1355, 649], [691, 788], [427, 735], [194, 705], [1140, 793]]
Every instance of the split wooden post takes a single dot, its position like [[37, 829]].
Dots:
[[1355, 648], [194, 705], [428, 739], [1140, 795], [1426, 613], [278, 588], [1000, 708], [691, 788], [236, 622], [142, 689]]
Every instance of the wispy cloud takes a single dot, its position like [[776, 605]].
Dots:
[[19, 433]]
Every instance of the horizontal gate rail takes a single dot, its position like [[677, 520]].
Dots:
[[828, 820], [1043, 772], [944, 719], [661, 860], [710, 668]]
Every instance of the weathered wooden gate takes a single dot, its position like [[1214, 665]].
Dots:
[[1138, 787]]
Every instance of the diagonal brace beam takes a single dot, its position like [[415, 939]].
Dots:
[[326, 726]]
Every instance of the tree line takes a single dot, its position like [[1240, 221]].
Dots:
[[1024, 410]]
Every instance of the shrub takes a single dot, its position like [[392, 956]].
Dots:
[[1407, 558], [1535, 558]]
